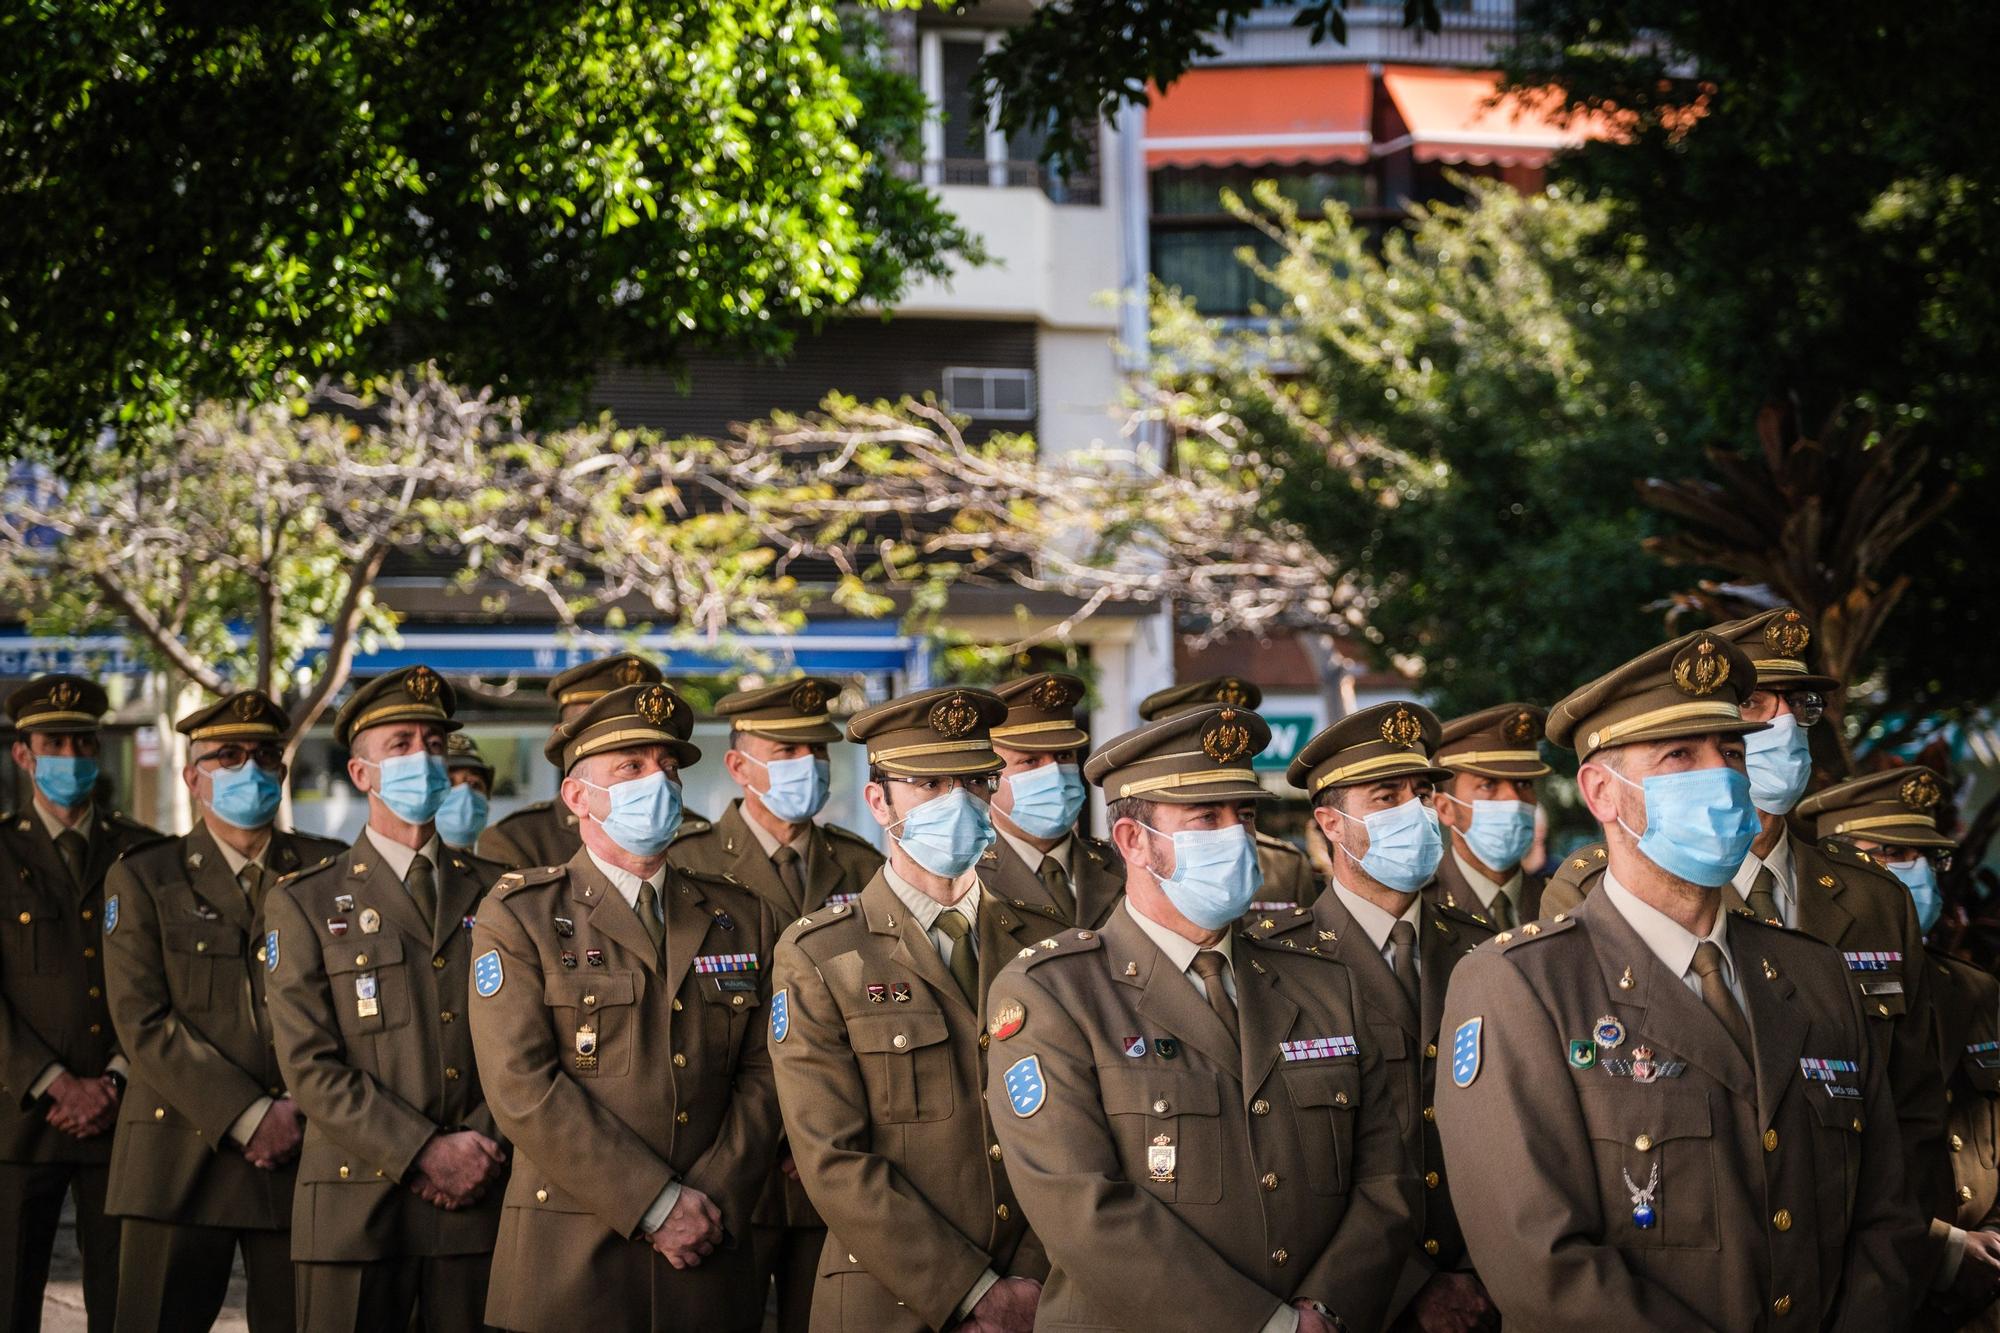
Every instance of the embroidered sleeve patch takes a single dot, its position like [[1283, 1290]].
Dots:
[[487, 975], [270, 951], [1025, 1090], [781, 1016], [111, 914]]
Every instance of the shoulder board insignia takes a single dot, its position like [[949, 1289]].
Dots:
[[1534, 930], [819, 920], [1070, 942]]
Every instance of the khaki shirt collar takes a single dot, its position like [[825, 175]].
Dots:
[[1179, 949], [767, 839], [1783, 872], [1671, 942], [1033, 856], [56, 828], [628, 883], [398, 857], [1376, 923], [927, 909], [1486, 888]]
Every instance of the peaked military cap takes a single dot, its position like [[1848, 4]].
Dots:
[[1897, 806], [1041, 713], [593, 680], [1776, 644], [414, 694], [1693, 686], [1229, 691], [629, 716], [797, 711], [936, 733], [1392, 740], [1498, 742], [58, 703], [461, 751], [247, 716], [1190, 758]]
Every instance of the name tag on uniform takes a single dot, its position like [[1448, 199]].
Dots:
[[736, 982], [1318, 1048], [1881, 988], [708, 963], [1878, 961]]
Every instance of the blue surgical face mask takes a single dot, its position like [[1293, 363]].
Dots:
[[462, 817], [245, 796], [65, 780], [1780, 765], [645, 813], [1920, 878], [1047, 800], [413, 786], [797, 788], [1216, 875], [1501, 831], [947, 833], [1405, 845], [1699, 824]]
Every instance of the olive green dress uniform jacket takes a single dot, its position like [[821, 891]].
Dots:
[[676, 1086], [544, 834], [184, 968], [1780, 1199], [52, 1005], [1408, 1043], [1849, 902], [1097, 882], [1289, 1178], [1289, 880], [1452, 889], [883, 1103], [375, 1089], [1966, 1019], [838, 865]]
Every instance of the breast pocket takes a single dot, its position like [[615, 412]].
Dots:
[[1838, 1123], [729, 997], [1168, 1127], [906, 1063], [596, 1021], [33, 943], [1324, 1101], [370, 983], [1984, 1080], [204, 963], [1650, 1138]]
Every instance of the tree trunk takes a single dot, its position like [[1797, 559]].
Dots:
[[173, 805]]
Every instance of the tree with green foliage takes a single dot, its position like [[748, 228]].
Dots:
[[1458, 418], [231, 201]]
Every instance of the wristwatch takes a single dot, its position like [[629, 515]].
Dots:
[[116, 1079]]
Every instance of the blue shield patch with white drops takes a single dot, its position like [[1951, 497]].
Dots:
[[111, 914], [486, 974], [1025, 1089], [270, 951], [781, 1016], [1465, 1052]]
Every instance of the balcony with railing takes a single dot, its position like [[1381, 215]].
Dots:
[[1471, 33]]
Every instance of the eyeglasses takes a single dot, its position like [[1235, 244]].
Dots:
[[982, 785], [1808, 706], [235, 756]]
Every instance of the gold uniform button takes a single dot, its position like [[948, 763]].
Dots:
[[1270, 1180], [361, 960], [899, 1041], [1340, 1099], [680, 1117], [159, 1113], [26, 917], [736, 1001], [87, 914], [1280, 1256], [984, 1039], [1782, 1219], [1965, 1194], [96, 1028], [1430, 1247], [1857, 1124], [447, 1016], [541, 1196], [1001, 1211], [1431, 1051], [1430, 1113], [95, 992], [1782, 1306], [343, 1171], [451, 1074], [201, 946], [680, 1061], [437, 963], [1770, 1140], [1644, 1143], [90, 953], [590, 999], [1431, 1179], [1260, 1107], [994, 1152], [1882, 1009], [677, 1006], [1160, 1106], [1957, 1143]]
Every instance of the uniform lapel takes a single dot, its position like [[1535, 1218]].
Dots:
[[1452, 890], [209, 876], [752, 868], [608, 912], [1266, 1016], [1012, 880], [1777, 1028], [1531, 895], [688, 922], [104, 849], [50, 876], [458, 891], [1352, 947], [888, 916], [1099, 880], [1003, 933], [1439, 945], [1167, 997], [1658, 1003], [1822, 915], [373, 884], [824, 876]]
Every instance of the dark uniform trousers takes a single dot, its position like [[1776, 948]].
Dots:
[[52, 1010], [1408, 1040], [186, 987], [372, 1036], [1773, 1185], [881, 1068], [788, 1235], [1207, 1183]]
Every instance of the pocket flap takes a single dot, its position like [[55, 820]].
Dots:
[[211, 939], [364, 954], [1836, 1112], [1986, 1078], [896, 1033], [604, 991], [1337, 1086], [1879, 1001], [1624, 1114], [1158, 1092], [731, 990], [1390, 1040]]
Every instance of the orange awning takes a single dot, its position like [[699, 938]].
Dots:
[[1229, 116], [1450, 117]]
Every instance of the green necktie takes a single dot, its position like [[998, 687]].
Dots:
[[1210, 965], [75, 851], [786, 859], [964, 965], [251, 880], [1721, 1001], [648, 908], [1763, 896], [1056, 880], [1501, 911], [421, 884]]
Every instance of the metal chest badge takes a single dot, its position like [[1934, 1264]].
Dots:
[[1608, 1032], [1007, 1020], [1644, 1215], [1582, 1055], [371, 921], [1025, 1089], [336, 926], [1160, 1160], [1465, 1052], [586, 1049], [1135, 1047], [487, 974], [366, 1002]]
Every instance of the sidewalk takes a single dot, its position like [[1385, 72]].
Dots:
[[62, 1304]]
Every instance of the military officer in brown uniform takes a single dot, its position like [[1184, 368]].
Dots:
[[1198, 1120], [1040, 862], [61, 1069], [618, 1016], [1489, 804], [369, 956], [770, 842], [462, 817], [1661, 1114], [207, 1143], [544, 833], [1370, 778], [1829, 892], [1289, 880], [1891, 817], [878, 1036]]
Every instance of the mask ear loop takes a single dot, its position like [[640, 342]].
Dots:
[[1620, 819]]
